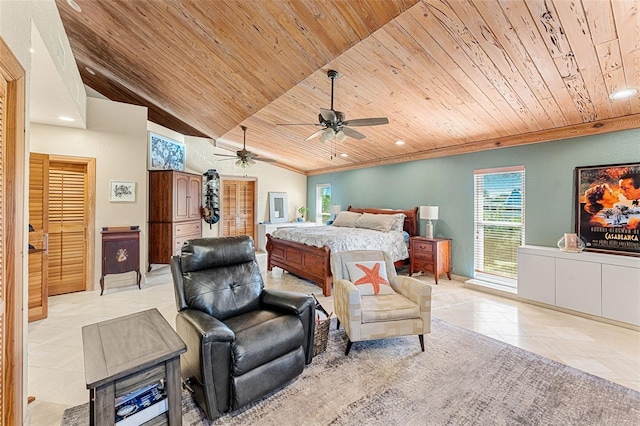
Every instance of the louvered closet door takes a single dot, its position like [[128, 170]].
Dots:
[[39, 220], [67, 227], [238, 207]]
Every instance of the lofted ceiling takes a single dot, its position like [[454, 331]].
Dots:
[[452, 76]]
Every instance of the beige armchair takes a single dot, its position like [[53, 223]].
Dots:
[[407, 311]]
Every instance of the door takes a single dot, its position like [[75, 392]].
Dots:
[[238, 207], [68, 219], [12, 250], [38, 235], [188, 196]]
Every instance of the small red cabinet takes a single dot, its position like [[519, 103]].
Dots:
[[120, 253]]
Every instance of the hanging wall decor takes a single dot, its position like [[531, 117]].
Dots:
[[607, 204], [165, 153], [211, 194]]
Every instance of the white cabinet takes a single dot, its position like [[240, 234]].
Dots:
[[578, 286], [598, 284], [536, 278], [268, 228], [621, 293]]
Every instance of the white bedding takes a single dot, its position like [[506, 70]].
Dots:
[[344, 239]]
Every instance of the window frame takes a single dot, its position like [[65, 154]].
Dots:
[[481, 273], [319, 213]]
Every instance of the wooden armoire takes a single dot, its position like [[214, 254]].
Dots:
[[175, 200]]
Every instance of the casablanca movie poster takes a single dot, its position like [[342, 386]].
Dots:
[[608, 210]]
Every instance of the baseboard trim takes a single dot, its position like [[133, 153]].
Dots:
[[509, 293]]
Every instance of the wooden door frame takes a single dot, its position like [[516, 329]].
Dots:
[[15, 178], [90, 164], [255, 197]]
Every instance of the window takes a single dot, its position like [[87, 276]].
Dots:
[[323, 203], [499, 224]]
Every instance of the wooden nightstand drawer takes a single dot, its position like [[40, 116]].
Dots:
[[422, 247], [424, 256]]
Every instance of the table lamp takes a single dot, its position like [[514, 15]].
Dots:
[[429, 213], [335, 209]]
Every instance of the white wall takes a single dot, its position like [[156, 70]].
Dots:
[[116, 136]]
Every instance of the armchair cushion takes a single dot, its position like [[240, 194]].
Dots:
[[262, 336], [388, 308], [369, 277]]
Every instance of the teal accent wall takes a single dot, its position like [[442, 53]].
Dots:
[[448, 183]]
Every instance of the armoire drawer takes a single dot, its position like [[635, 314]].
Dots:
[[187, 228]]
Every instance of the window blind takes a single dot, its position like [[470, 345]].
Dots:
[[498, 223]]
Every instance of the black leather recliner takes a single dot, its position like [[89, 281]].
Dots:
[[242, 341]]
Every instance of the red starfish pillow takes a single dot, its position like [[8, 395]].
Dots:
[[370, 278]]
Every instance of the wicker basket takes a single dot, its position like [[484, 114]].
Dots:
[[321, 336]]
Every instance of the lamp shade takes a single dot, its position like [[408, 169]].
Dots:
[[335, 208], [429, 212], [327, 135]]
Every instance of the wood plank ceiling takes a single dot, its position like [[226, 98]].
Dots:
[[452, 76]]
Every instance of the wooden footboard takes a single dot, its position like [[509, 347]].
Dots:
[[309, 262]]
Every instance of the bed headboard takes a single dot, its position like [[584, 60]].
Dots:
[[410, 220]]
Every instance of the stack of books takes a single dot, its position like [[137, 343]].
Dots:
[[141, 405]]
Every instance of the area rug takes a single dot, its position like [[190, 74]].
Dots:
[[462, 378]]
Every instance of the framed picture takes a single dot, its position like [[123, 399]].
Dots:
[[120, 191], [165, 153], [607, 208]]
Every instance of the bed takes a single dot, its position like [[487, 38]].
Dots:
[[313, 263]]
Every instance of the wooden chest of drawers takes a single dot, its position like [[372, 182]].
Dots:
[[431, 255]]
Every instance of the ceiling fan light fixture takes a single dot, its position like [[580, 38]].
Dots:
[[341, 136], [623, 94], [327, 135]]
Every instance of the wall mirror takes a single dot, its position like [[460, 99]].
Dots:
[[278, 207]]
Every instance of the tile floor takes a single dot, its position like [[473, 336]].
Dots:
[[56, 369]]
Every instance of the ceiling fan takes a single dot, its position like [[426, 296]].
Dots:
[[243, 157], [333, 122]]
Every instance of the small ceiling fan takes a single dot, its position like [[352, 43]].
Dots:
[[333, 122], [243, 157]]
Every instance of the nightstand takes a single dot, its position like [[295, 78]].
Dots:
[[430, 255]]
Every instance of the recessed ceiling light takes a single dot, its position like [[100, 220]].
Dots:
[[74, 5], [32, 50], [400, 142], [623, 93], [90, 71], [344, 154], [63, 118]]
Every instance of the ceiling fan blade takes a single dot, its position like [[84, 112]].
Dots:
[[376, 121], [328, 115], [297, 124], [315, 134], [352, 133], [225, 155], [266, 160]]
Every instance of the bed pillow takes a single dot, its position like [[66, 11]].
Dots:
[[346, 219], [370, 277], [377, 222], [398, 225]]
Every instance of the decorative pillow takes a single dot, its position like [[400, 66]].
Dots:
[[398, 224], [346, 219], [369, 277], [377, 222]]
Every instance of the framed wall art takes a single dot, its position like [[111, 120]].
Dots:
[[165, 153], [607, 208], [121, 191]]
